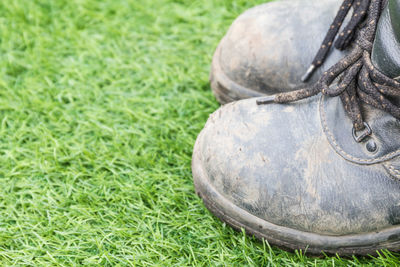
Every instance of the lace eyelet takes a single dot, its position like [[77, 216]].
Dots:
[[371, 146], [359, 137]]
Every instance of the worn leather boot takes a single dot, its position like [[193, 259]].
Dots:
[[316, 169], [269, 47]]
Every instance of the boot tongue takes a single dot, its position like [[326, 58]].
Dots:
[[394, 11], [386, 50]]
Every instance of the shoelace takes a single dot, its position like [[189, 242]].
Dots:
[[355, 77]]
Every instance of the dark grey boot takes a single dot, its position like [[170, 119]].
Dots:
[[269, 47], [317, 174]]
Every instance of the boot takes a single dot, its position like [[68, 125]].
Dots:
[[318, 169], [269, 47]]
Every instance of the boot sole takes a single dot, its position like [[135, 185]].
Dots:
[[287, 238], [225, 90]]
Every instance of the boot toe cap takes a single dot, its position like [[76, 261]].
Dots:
[[275, 163], [269, 47]]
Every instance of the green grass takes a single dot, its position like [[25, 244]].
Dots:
[[100, 105]]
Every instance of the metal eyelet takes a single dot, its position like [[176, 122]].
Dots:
[[371, 146], [364, 133]]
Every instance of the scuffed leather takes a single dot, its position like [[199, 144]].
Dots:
[[297, 165], [276, 162], [269, 47]]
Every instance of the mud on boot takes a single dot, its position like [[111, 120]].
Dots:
[[316, 169], [269, 47]]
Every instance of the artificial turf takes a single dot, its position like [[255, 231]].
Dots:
[[100, 105]]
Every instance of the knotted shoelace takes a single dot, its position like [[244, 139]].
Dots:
[[354, 78]]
